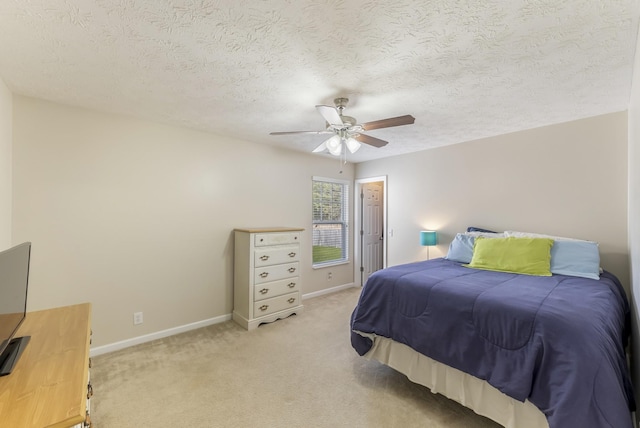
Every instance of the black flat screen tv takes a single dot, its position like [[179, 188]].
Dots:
[[14, 281]]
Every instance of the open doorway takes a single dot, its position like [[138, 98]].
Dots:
[[371, 227]]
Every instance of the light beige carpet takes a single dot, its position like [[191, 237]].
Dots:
[[296, 372]]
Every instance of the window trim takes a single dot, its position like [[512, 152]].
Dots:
[[346, 200]]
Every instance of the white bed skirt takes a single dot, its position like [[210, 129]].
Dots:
[[467, 390]]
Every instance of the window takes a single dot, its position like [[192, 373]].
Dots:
[[330, 221]]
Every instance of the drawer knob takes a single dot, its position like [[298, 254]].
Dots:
[[291, 284], [292, 254], [291, 300], [263, 307], [264, 274], [291, 270], [264, 291], [264, 258]]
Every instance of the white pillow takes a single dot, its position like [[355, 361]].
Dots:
[[516, 234]]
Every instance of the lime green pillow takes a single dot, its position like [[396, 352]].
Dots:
[[529, 256]]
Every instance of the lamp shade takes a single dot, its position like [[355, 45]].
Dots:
[[428, 238]]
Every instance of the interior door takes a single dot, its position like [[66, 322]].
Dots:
[[372, 238]]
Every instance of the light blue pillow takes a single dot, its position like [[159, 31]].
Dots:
[[461, 249], [576, 258]]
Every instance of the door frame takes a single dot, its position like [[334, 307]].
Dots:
[[357, 236]]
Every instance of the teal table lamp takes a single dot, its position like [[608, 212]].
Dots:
[[428, 238]]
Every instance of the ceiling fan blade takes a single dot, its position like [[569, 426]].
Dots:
[[321, 148], [301, 132], [330, 114], [387, 123], [372, 141]]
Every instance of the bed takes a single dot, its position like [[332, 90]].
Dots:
[[526, 350]]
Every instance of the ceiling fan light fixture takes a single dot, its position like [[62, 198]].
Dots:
[[352, 144], [334, 145]]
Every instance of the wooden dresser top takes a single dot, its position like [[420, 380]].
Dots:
[[269, 229], [48, 385]]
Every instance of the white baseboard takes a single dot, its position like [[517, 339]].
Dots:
[[112, 347], [328, 291], [99, 350]]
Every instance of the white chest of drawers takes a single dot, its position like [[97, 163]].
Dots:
[[266, 281]]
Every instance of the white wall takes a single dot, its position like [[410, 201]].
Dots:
[[634, 217], [6, 139], [137, 216], [568, 179]]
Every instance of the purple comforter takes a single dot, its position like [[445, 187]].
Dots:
[[558, 341]]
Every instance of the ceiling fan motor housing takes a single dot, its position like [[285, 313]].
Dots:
[[341, 103], [348, 120]]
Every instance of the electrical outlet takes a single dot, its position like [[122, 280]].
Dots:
[[329, 276], [137, 318]]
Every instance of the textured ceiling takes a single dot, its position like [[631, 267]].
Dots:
[[463, 69]]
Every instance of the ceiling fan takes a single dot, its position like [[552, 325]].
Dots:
[[347, 132]]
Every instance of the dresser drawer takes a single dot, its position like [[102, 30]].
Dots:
[[275, 304], [274, 273], [264, 239], [276, 255], [276, 288]]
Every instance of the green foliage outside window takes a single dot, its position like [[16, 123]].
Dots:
[[330, 203]]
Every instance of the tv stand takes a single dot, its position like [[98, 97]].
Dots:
[[49, 385], [12, 352]]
